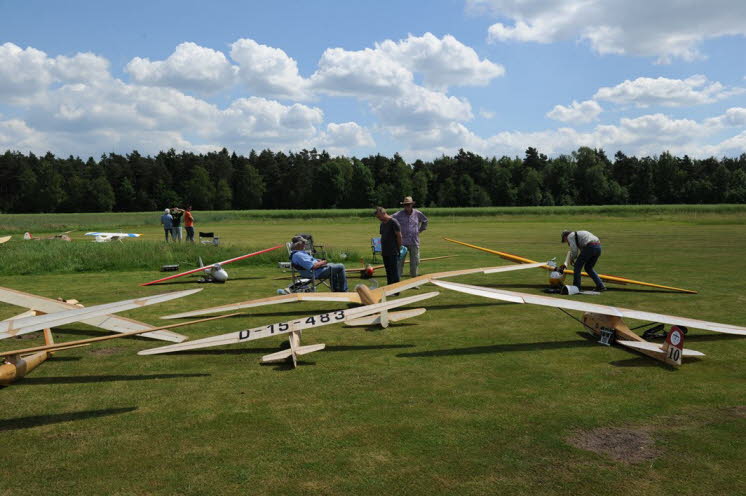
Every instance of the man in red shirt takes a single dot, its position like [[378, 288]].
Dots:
[[189, 223]]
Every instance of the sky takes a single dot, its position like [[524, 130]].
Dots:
[[414, 77]]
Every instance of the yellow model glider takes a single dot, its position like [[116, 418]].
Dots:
[[614, 279]]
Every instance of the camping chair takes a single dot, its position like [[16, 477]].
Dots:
[[311, 248], [210, 237], [375, 245], [303, 284]]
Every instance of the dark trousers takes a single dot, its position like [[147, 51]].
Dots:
[[391, 262], [190, 233], [587, 259]]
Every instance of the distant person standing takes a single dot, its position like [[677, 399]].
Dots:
[[176, 214], [412, 223], [168, 224], [189, 223], [390, 244]]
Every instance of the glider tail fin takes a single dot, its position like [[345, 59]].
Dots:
[[48, 339], [674, 345]]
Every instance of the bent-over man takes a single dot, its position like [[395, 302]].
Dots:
[[585, 249]]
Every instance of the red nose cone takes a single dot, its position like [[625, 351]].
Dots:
[[369, 271]]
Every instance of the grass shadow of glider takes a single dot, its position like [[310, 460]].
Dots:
[[499, 348], [87, 379], [39, 420]]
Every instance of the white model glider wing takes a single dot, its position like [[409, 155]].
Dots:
[[109, 234], [516, 297], [424, 279], [656, 348], [24, 325], [333, 317], [109, 322], [272, 300]]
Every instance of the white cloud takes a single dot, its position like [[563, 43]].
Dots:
[[347, 135], [579, 113], [190, 68], [442, 62], [733, 117], [268, 71], [419, 108], [486, 114], [666, 29], [366, 74], [645, 92]]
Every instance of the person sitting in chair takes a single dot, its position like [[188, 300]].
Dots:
[[305, 263]]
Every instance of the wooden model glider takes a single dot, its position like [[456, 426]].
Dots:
[[362, 295], [4, 239], [606, 322], [60, 237], [214, 272], [364, 315], [18, 363], [367, 271], [46, 313], [105, 237], [604, 277]]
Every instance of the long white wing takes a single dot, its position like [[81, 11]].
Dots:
[[515, 297], [272, 300], [333, 317], [109, 322], [423, 279], [24, 325]]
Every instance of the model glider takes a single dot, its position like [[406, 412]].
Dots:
[[214, 272], [357, 316], [59, 237], [606, 322], [4, 239], [607, 278], [105, 237], [39, 305], [363, 295], [18, 363], [367, 271], [25, 323]]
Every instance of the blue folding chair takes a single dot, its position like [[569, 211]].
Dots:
[[375, 245]]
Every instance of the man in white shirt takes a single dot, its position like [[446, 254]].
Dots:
[[585, 249]]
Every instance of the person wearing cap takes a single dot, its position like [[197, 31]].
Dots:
[[585, 249], [168, 224], [391, 243], [321, 269], [412, 223]]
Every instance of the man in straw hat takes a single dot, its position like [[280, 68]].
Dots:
[[412, 223]]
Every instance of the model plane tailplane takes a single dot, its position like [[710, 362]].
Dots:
[[283, 355], [392, 317]]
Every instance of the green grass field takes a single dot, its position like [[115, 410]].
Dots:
[[473, 397]]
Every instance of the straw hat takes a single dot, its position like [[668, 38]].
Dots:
[[407, 201]]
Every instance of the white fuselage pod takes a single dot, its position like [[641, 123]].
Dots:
[[217, 273]]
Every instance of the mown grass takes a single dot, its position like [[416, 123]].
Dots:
[[474, 397], [48, 223]]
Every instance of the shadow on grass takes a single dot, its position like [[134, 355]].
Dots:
[[37, 420], [196, 281], [499, 348], [86, 379], [57, 358], [264, 351]]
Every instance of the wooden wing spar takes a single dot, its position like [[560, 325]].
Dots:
[[23, 325], [604, 277], [4, 239], [606, 321], [367, 271], [362, 295], [208, 267]]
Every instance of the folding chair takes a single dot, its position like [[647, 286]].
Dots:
[[211, 238], [375, 245]]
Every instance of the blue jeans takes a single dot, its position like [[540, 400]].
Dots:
[[335, 273], [587, 259]]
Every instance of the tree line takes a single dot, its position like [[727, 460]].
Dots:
[[309, 179]]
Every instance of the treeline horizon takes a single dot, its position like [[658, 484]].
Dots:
[[311, 180]]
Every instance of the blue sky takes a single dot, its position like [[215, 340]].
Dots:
[[421, 78]]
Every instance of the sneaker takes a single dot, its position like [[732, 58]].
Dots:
[[601, 289]]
